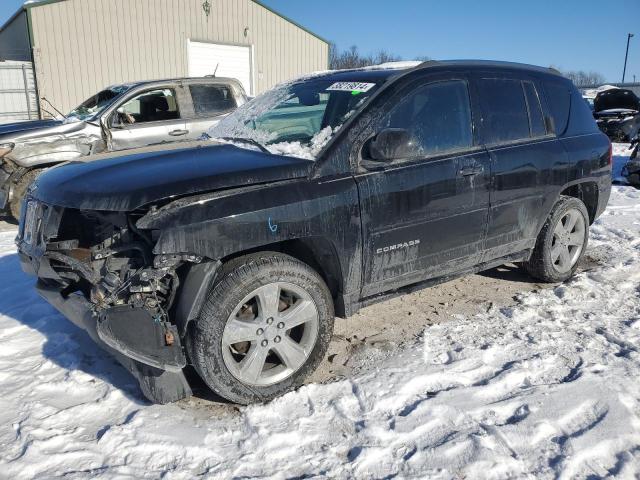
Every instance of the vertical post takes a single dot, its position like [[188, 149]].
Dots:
[[26, 90], [624, 70]]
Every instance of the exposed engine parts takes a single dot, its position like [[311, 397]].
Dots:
[[112, 262]]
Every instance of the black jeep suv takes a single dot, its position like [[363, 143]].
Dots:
[[319, 197]]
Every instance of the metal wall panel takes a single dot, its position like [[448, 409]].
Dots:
[[81, 46]]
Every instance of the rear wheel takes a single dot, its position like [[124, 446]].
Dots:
[[265, 326], [561, 242]]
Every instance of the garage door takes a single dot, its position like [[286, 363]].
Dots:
[[231, 61]]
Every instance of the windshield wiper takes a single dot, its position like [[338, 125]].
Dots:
[[250, 141]]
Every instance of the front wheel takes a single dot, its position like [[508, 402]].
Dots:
[[19, 191], [266, 325], [561, 242]]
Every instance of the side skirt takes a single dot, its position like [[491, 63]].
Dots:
[[365, 302]]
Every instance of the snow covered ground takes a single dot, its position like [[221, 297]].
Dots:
[[547, 388]]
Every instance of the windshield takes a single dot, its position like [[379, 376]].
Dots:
[[95, 104], [296, 119]]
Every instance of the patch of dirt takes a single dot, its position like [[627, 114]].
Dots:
[[377, 331]]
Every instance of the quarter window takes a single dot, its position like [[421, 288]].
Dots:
[[212, 99], [505, 116], [559, 101], [437, 117]]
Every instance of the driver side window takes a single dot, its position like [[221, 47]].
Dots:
[[152, 106], [437, 118]]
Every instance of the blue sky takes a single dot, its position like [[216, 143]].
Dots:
[[570, 34]]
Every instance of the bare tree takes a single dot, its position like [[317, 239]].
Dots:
[[352, 58], [581, 78]]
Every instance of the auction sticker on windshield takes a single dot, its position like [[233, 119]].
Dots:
[[351, 87]]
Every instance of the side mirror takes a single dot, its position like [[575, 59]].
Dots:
[[392, 144]]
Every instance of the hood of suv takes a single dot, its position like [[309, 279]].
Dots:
[[130, 181], [8, 129], [616, 98]]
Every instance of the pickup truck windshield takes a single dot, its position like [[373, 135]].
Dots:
[[295, 119], [95, 104]]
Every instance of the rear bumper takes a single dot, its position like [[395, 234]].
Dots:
[[157, 385], [604, 192]]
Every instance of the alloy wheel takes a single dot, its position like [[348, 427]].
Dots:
[[568, 240], [270, 334]]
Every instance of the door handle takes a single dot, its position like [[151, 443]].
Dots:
[[470, 171], [178, 133]]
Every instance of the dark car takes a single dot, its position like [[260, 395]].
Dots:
[[617, 113], [632, 168], [117, 118], [321, 196]]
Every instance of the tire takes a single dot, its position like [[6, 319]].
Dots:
[[556, 236], [225, 349], [19, 190]]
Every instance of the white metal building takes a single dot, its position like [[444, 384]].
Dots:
[[81, 46]]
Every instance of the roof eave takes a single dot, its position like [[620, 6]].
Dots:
[[275, 12], [28, 6]]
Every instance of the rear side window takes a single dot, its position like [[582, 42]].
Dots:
[[536, 119], [437, 116], [505, 116], [581, 119], [559, 100], [212, 99]]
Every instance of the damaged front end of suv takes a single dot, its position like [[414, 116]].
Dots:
[[102, 261], [617, 113], [100, 264]]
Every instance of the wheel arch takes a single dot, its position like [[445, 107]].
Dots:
[[587, 192], [317, 252]]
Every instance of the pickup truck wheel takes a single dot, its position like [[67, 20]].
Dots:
[[561, 242], [19, 190], [265, 326]]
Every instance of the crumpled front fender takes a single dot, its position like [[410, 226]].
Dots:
[[55, 150]]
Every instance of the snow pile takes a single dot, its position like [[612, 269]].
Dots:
[[548, 388], [400, 65], [300, 150]]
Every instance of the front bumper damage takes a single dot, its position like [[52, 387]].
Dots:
[[130, 320], [619, 128], [157, 385], [632, 172]]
